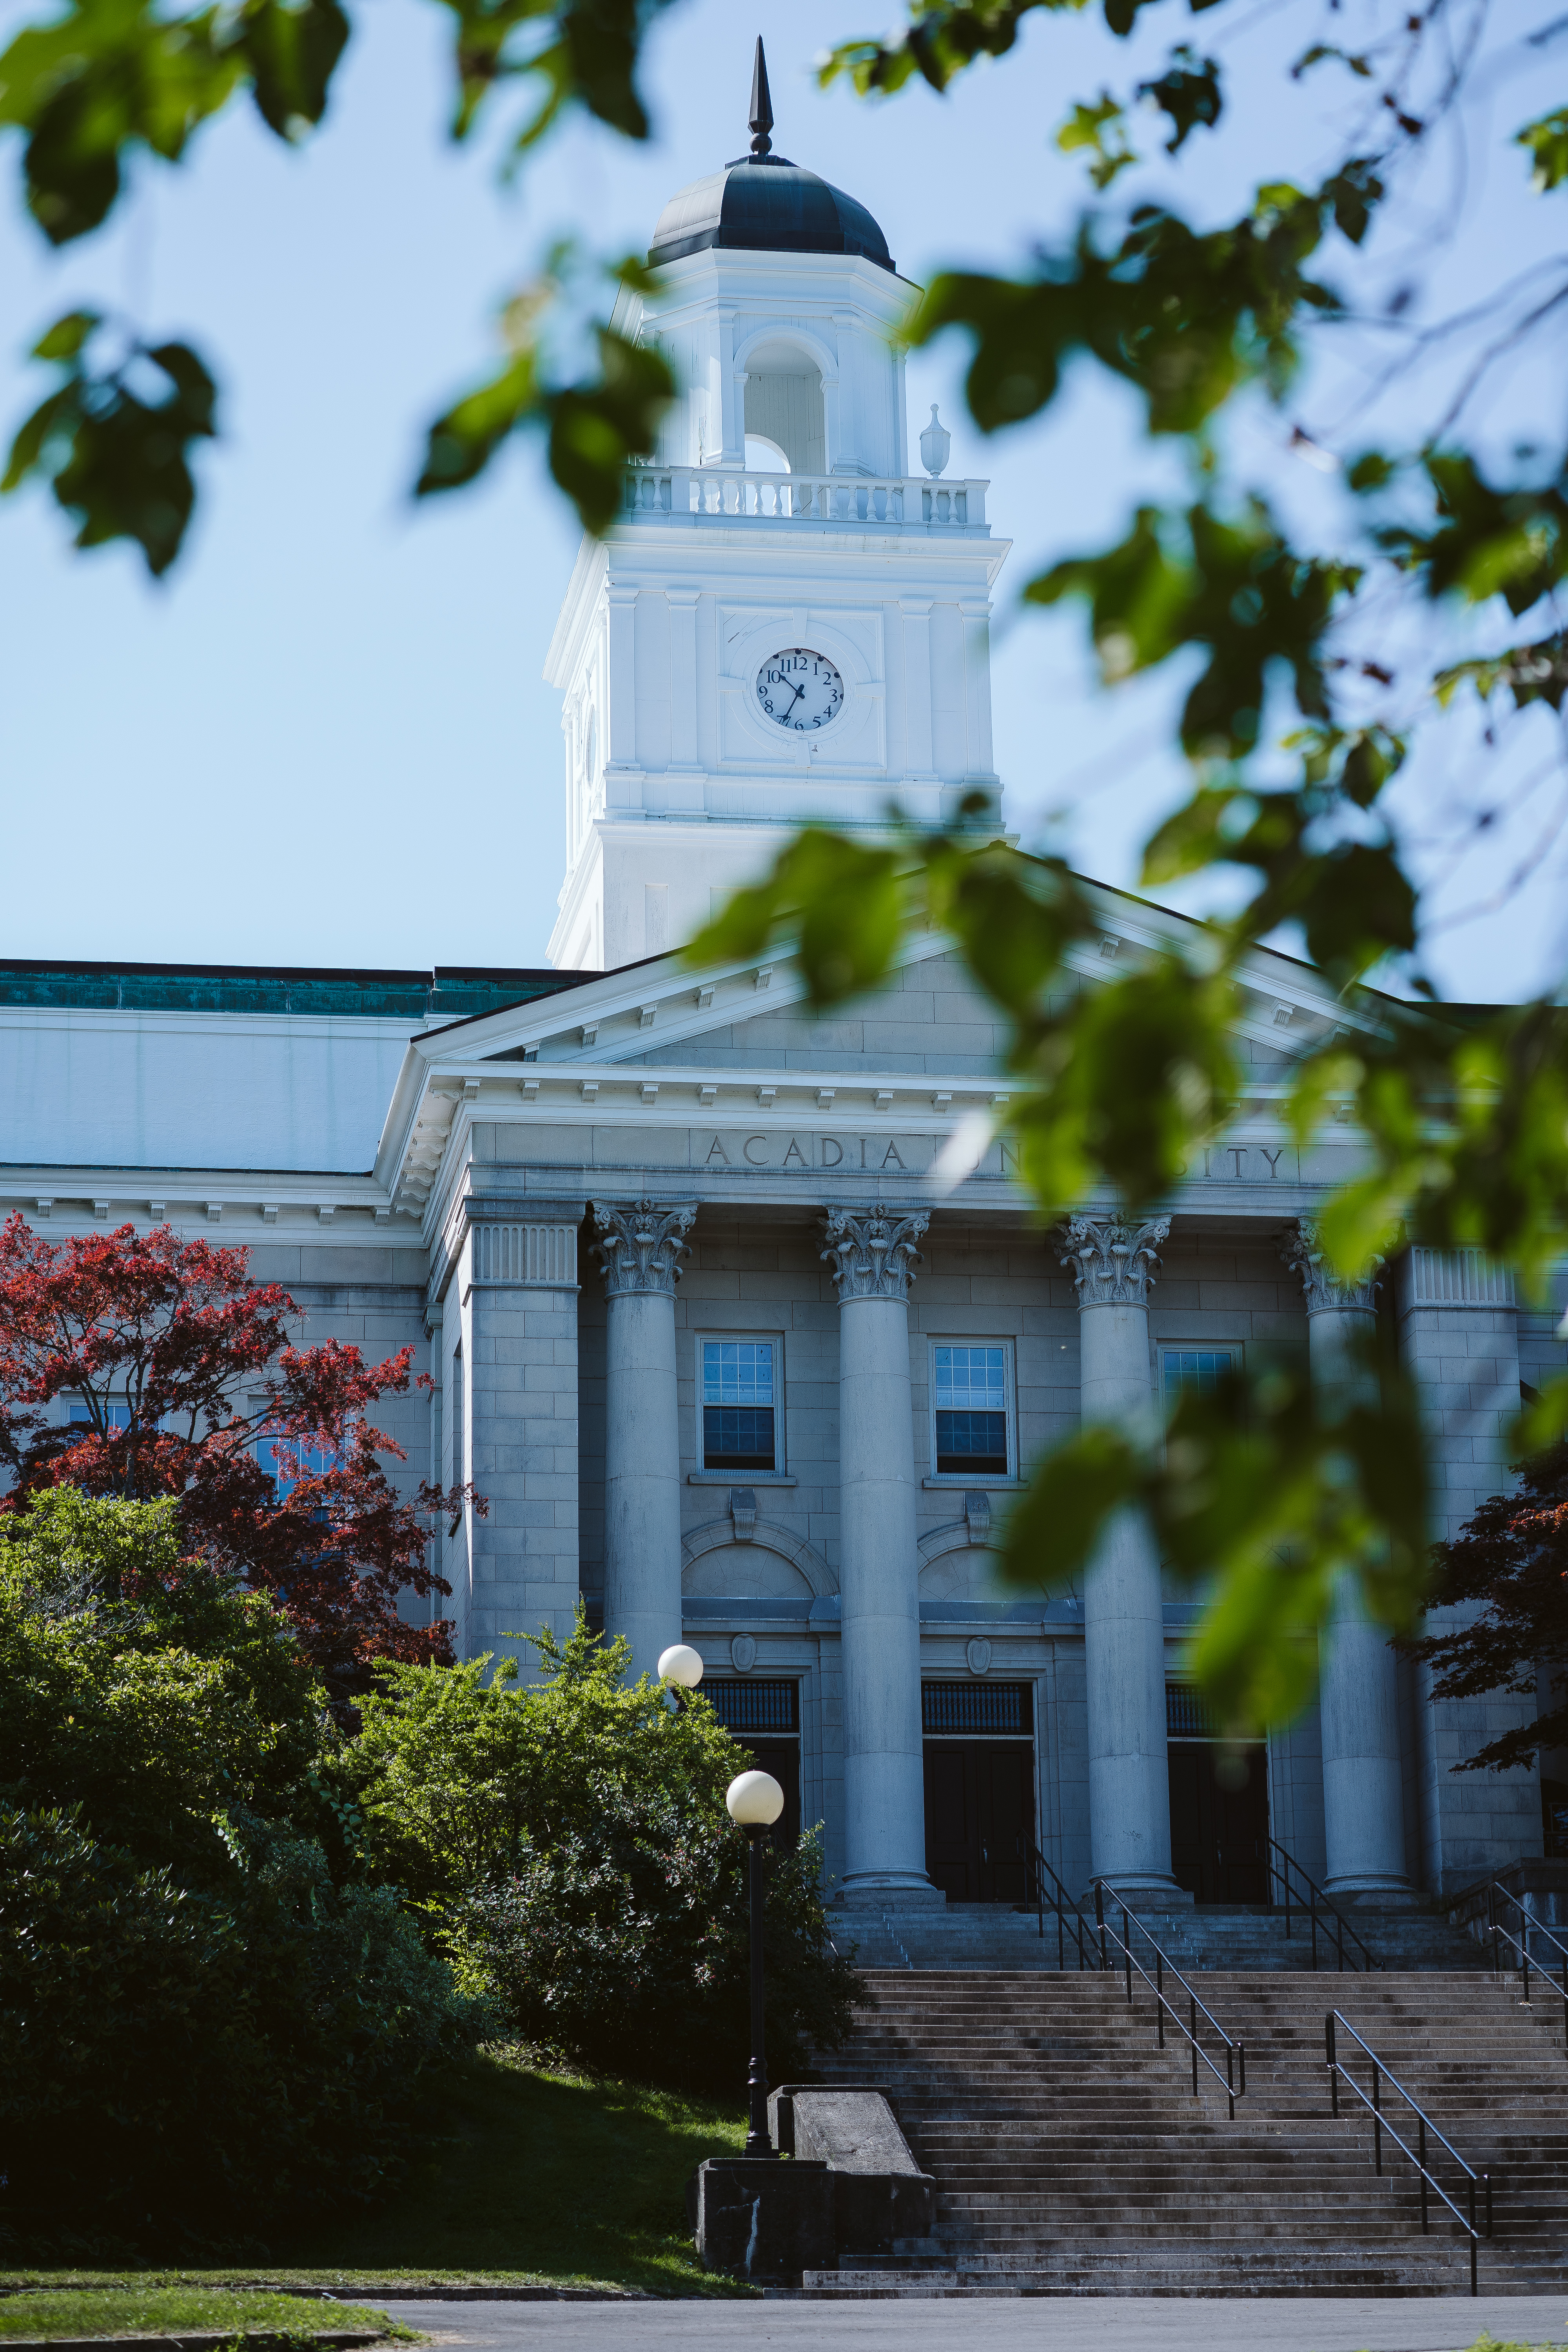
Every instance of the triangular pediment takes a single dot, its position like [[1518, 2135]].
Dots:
[[927, 1046]]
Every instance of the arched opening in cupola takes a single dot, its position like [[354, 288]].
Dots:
[[784, 409]]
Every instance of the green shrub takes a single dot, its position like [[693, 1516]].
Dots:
[[571, 1850], [157, 1700], [175, 2066], [203, 2027]]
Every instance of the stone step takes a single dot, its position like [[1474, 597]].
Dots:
[[1071, 2156], [977, 1935]]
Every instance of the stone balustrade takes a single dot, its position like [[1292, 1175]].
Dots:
[[666, 493]]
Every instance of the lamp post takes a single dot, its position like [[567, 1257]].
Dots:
[[755, 1801]]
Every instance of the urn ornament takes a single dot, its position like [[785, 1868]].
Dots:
[[935, 443]]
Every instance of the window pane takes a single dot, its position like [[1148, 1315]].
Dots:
[[738, 1426], [78, 1414], [738, 1437], [1196, 1368], [314, 1462], [972, 1377], [971, 1404], [971, 1441], [738, 1371]]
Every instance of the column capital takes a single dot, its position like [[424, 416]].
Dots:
[[1303, 1250], [640, 1244], [874, 1254], [1112, 1258]]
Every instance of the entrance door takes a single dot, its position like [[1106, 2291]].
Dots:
[[781, 1759], [1219, 1821], [979, 1817]]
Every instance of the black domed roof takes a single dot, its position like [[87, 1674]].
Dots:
[[763, 203]]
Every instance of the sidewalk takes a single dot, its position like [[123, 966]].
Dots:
[[1045, 2323]]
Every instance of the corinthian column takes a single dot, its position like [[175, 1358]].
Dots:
[[640, 1249], [873, 1257], [1363, 1819], [1113, 1260]]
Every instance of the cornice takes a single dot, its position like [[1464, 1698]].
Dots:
[[248, 1204]]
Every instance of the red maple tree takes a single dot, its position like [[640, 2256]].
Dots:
[[182, 1379]]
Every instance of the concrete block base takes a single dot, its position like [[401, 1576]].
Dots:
[[767, 2221]]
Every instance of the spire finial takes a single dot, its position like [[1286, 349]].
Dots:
[[762, 117]]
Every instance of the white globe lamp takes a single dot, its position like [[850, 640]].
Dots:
[[755, 1800], [680, 1665]]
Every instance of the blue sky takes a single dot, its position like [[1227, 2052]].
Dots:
[[325, 739]]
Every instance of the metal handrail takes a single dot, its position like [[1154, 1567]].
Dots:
[[1533, 1926], [1233, 2051], [1315, 1895], [1234, 2077], [1333, 2020], [1061, 1902]]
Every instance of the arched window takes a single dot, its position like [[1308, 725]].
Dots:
[[784, 406], [765, 457]]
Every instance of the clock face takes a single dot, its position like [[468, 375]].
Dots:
[[800, 691]]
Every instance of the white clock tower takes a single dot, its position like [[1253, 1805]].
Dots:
[[782, 623]]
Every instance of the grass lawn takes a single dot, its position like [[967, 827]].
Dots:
[[148, 2310], [520, 2176]]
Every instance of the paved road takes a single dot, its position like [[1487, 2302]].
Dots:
[[1006, 2323]]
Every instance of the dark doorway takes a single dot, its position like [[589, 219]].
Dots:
[[979, 1817], [781, 1759], [1219, 1820], [763, 1717]]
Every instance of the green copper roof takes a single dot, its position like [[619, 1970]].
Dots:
[[450, 991]]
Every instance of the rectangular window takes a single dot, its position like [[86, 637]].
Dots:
[[1188, 1714], [981, 1709], [753, 1705], [1202, 1369], [313, 1462], [972, 1409], [740, 1404], [119, 1416]]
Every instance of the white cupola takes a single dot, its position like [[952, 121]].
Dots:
[[782, 623]]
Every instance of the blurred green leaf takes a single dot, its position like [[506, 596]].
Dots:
[[595, 427], [1264, 1494], [1188, 91], [290, 52], [1537, 673], [1235, 585], [1320, 51], [116, 459], [1185, 317], [107, 75], [943, 39], [1126, 1078], [1484, 542], [1085, 127], [110, 76], [65, 339], [1542, 1420], [577, 52], [1546, 142], [1463, 1123], [845, 906]]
